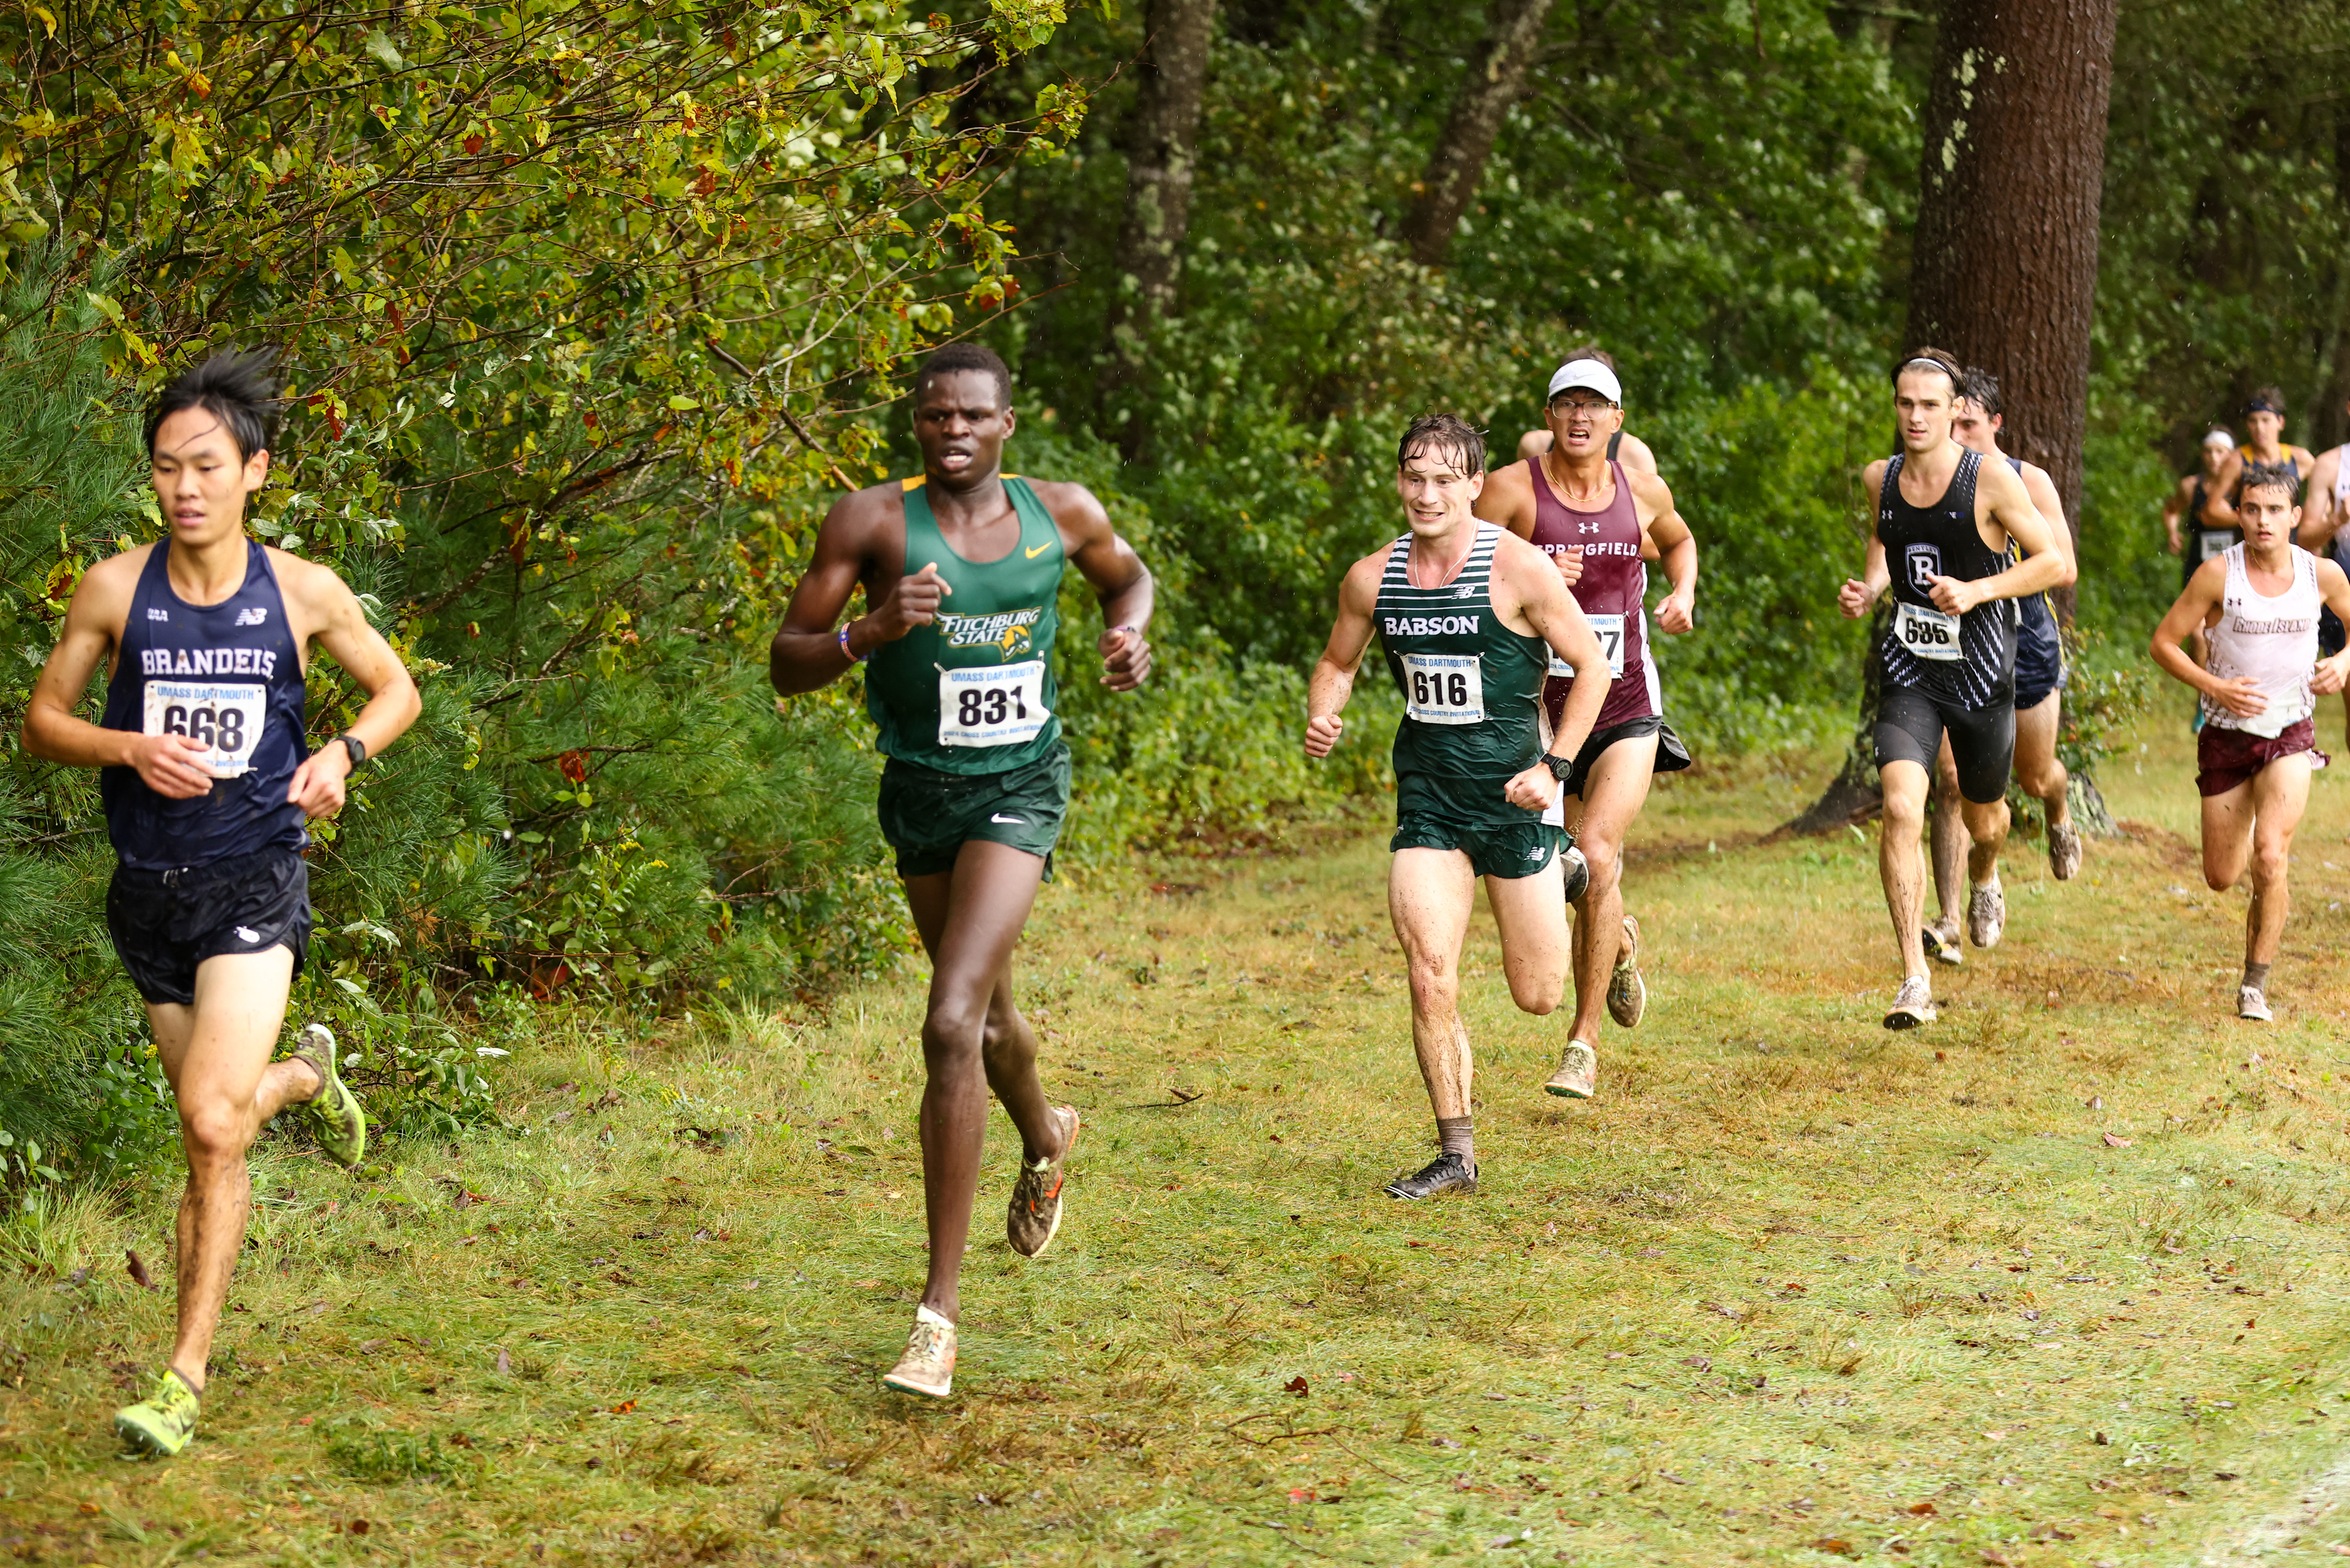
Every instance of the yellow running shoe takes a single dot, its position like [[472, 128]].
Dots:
[[163, 1423]]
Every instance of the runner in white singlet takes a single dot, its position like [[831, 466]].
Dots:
[[2258, 604]]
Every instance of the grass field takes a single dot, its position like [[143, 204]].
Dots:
[[2057, 1280]]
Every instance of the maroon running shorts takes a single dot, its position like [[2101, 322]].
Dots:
[[2226, 758]]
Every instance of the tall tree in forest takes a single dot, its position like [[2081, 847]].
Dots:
[[2003, 269], [1497, 75], [1158, 183]]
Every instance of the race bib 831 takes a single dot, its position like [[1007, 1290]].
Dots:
[[229, 719], [998, 705]]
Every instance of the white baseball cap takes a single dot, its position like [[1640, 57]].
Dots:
[[2220, 439], [1586, 373]]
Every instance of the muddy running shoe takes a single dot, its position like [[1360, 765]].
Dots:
[[1986, 914], [2252, 1004], [1578, 1074], [2064, 851], [163, 1423], [1577, 872], [1943, 946], [1913, 1004], [1445, 1173], [336, 1120], [1035, 1214], [928, 1366], [1627, 993]]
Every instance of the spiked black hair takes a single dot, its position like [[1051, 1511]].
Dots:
[[239, 387]]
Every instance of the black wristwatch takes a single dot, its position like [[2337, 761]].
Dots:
[[356, 750], [1559, 766]]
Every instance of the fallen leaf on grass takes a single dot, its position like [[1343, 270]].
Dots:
[[624, 1407], [360, 1527], [1301, 1494], [1836, 1544], [2114, 1140], [1996, 1435], [1924, 1510], [1296, 1385], [138, 1270], [1700, 1362]]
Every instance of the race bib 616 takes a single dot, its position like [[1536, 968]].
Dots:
[[996, 705], [229, 719], [1444, 688], [1928, 633]]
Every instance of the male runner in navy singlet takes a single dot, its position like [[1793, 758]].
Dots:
[[207, 783], [1596, 518], [1945, 525]]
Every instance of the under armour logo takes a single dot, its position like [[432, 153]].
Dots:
[[1587, 528]]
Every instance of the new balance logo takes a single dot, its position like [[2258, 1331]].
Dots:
[[1016, 821], [154, 614], [252, 615]]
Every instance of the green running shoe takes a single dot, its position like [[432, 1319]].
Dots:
[[335, 1117], [163, 1422]]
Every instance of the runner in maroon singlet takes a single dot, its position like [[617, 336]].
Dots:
[[1597, 518]]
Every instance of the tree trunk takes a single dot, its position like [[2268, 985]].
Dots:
[[2003, 269], [1497, 75], [2004, 265], [1174, 72]]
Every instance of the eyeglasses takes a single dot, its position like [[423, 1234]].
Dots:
[[1579, 405]]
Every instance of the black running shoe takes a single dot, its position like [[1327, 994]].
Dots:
[[1445, 1173]]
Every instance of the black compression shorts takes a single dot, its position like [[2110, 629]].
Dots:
[[1910, 725]]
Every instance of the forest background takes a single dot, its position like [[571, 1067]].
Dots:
[[591, 307]]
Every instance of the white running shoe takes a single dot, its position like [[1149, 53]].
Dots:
[[1942, 946], [1986, 914], [1578, 1074], [1913, 1004], [2064, 851], [928, 1366], [2252, 1004]]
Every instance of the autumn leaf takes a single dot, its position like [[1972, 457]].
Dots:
[[1296, 1385], [138, 1270]]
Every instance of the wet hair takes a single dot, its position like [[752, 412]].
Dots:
[[238, 387], [1445, 433], [2270, 476], [1588, 351], [1925, 357], [966, 356], [2265, 400], [1981, 388]]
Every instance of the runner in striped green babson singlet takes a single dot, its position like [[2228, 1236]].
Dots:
[[962, 572], [1469, 615]]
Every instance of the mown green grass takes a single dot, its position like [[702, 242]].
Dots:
[[1791, 1280]]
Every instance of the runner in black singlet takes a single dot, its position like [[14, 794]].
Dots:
[[1945, 524], [208, 780], [2264, 447], [2039, 679], [2322, 533]]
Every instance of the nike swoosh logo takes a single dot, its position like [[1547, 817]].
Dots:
[[1039, 550], [1000, 817]]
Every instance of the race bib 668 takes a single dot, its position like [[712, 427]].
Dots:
[[227, 718]]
